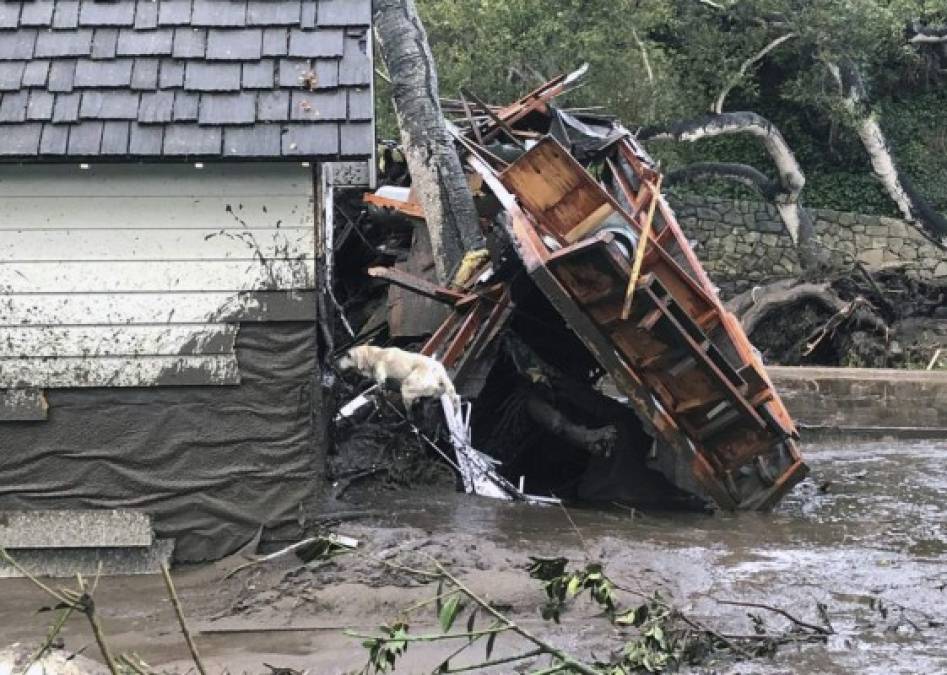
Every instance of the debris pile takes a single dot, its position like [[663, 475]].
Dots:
[[857, 318], [600, 362]]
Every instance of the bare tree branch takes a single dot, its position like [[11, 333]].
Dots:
[[739, 173], [912, 205], [928, 35], [744, 69], [791, 178]]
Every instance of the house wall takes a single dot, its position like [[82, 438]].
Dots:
[[157, 348], [136, 275]]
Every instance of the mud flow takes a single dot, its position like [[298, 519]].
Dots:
[[864, 535]]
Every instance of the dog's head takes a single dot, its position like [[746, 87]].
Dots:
[[346, 361], [351, 359]]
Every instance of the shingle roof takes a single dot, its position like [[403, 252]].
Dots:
[[185, 78]]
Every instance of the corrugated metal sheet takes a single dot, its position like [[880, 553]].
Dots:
[[127, 275]]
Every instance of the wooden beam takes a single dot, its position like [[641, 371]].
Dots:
[[415, 284], [642, 245]]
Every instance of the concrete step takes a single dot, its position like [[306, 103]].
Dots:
[[65, 542]]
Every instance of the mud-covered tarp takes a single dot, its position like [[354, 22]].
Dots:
[[211, 464]]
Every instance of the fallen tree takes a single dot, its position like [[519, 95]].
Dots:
[[858, 318], [866, 122], [437, 176], [784, 193]]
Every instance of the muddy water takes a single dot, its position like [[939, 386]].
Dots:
[[865, 536]]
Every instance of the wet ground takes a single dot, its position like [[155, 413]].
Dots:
[[865, 535]]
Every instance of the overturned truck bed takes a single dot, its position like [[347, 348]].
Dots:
[[569, 202]]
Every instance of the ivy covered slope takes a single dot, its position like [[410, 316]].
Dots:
[[657, 61]]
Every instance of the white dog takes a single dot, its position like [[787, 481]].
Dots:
[[419, 376]]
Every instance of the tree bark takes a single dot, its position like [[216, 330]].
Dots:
[[912, 205], [437, 175], [598, 442], [784, 193]]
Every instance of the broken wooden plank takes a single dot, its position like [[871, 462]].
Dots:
[[416, 284]]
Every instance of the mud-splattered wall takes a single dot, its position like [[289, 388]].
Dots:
[[157, 345], [136, 275]]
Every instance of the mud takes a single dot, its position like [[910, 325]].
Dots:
[[865, 534]]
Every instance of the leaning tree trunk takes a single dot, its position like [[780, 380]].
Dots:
[[784, 194], [912, 205], [436, 172]]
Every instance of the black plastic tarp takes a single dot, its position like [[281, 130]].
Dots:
[[210, 464]]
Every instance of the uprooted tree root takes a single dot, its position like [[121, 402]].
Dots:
[[653, 635], [856, 319]]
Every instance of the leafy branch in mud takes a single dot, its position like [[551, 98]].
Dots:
[[656, 636], [82, 601]]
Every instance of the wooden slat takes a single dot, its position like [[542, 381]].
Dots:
[[557, 191], [157, 244], [89, 341], [59, 309], [94, 211], [203, 275], [119, 372], [162, 180]]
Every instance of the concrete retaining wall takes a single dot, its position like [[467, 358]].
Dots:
[[745, 241], [865, 400]]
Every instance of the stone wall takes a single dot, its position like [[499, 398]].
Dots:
[[745, 241]]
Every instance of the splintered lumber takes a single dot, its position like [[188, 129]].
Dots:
[[655, 192]]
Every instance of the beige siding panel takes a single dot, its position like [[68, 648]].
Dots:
[[145, 371], [65, 309], [201, 275], [165, 180], [154, 213], [134, 244], [88, 341]]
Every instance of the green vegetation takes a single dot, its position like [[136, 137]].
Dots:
[[503, 48]]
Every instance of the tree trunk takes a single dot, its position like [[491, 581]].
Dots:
[[784, 193], [911, 204], [436, 172]]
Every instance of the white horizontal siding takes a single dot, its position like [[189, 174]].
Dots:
[[66, 309], [155, 275], [158, 244], [156, 180], [123, 371], [97, 341], [126, 275], [153, 212]]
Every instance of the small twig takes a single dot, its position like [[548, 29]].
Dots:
[[744, 68], [283, 551], [54, 631], [495, 662], [126, 661], [934, 359], [5, 557], [88, 608], [433, 637], [176, 603], [567, 659], [575, 528], [802, 624]]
